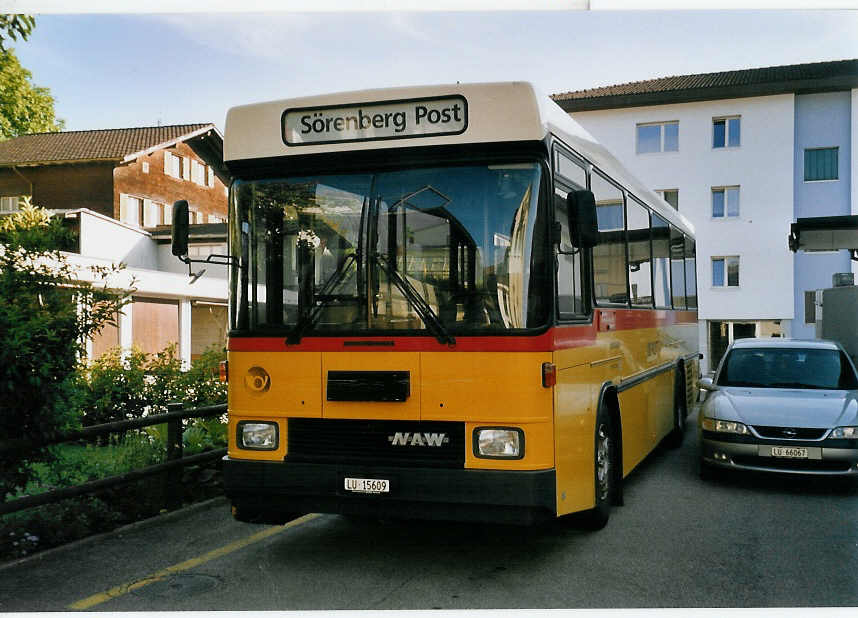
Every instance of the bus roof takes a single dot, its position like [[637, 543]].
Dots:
[[419, 116]]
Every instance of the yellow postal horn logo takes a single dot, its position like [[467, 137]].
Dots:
[[257, 380]]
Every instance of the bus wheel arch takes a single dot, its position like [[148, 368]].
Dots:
[[607, 439], [610, 402]]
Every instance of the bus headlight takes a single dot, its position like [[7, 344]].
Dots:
[[499, 442], [257, 436]]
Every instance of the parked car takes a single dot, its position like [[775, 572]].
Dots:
[[781, 405]]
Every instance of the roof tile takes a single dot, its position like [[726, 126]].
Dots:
[[109, 144], [723, 79]]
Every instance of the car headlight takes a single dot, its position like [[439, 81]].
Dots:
[[850, 433], [712, 424], [499, 442], [257, 436]]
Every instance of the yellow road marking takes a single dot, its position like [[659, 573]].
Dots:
[[118, 591]]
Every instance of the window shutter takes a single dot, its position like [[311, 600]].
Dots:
[[167, 163], [186, 168]]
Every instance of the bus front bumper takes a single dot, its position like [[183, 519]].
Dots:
[[274, 492]]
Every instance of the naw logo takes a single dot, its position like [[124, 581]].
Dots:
[[407, 438]]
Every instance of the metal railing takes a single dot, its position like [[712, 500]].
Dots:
[[171, 468]]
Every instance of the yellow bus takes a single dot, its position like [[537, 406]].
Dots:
[[446, 302]]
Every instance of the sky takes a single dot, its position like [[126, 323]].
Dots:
[[130, 70]]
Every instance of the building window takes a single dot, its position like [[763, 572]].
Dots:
[[198, 173], [203, 251], [172, 165], [186, 168], [671, 196], [153, 214], [725, 202], [725, 271], [726, 132], [820, 164], [210, 177], [145, 167], [810, 307], [658, 137], [130, 209], [10, 203]]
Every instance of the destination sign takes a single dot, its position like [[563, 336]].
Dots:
[[375, 121]]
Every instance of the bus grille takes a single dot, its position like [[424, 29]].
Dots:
[[434, 444]]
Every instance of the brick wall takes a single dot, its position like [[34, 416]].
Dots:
[[160, 187], [79, 185]]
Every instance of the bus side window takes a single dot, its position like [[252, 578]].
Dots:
[[661, 262], [677, 268], [570, 301], [690, 273], [609, 256]]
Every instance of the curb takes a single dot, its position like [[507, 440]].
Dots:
[[136, 525]]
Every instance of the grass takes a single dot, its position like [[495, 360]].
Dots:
[[39, 528]]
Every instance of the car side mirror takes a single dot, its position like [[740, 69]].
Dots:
[[179, 237], [583, 225], [707, 384]]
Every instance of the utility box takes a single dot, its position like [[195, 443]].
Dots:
[[837, 317]]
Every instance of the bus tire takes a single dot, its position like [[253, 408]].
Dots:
[[680, 410], [604, 462]]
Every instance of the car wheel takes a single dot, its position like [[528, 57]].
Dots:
[[680, 411], [604, 462]]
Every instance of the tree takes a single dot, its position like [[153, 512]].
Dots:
[[14, 25], [46, 315], [24, 107]]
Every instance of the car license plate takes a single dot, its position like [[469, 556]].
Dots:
[[367, 486], [794, 452]]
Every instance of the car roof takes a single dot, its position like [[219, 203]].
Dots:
[[778, 342]]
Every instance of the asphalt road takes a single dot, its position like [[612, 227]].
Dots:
[[678, 542]]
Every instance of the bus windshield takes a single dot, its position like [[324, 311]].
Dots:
[[436, 250]]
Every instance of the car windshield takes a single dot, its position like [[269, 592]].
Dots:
[[441, 250], [788, 368]]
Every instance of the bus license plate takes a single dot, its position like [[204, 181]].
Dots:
[[368, 486], [793, 452]]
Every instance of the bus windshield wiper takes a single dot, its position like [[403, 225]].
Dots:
[[309, 317], [424, 310]]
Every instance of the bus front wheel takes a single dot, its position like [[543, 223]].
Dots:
[[604, 462]]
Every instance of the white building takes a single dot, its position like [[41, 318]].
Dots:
[[742, 154], [168, 306]]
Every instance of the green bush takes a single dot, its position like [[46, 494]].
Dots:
[[116, 388], [46, 313]]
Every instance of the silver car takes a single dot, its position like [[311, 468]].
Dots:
[[781, 405]]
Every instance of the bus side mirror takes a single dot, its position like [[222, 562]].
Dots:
[[583, 225], [179, 238]]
